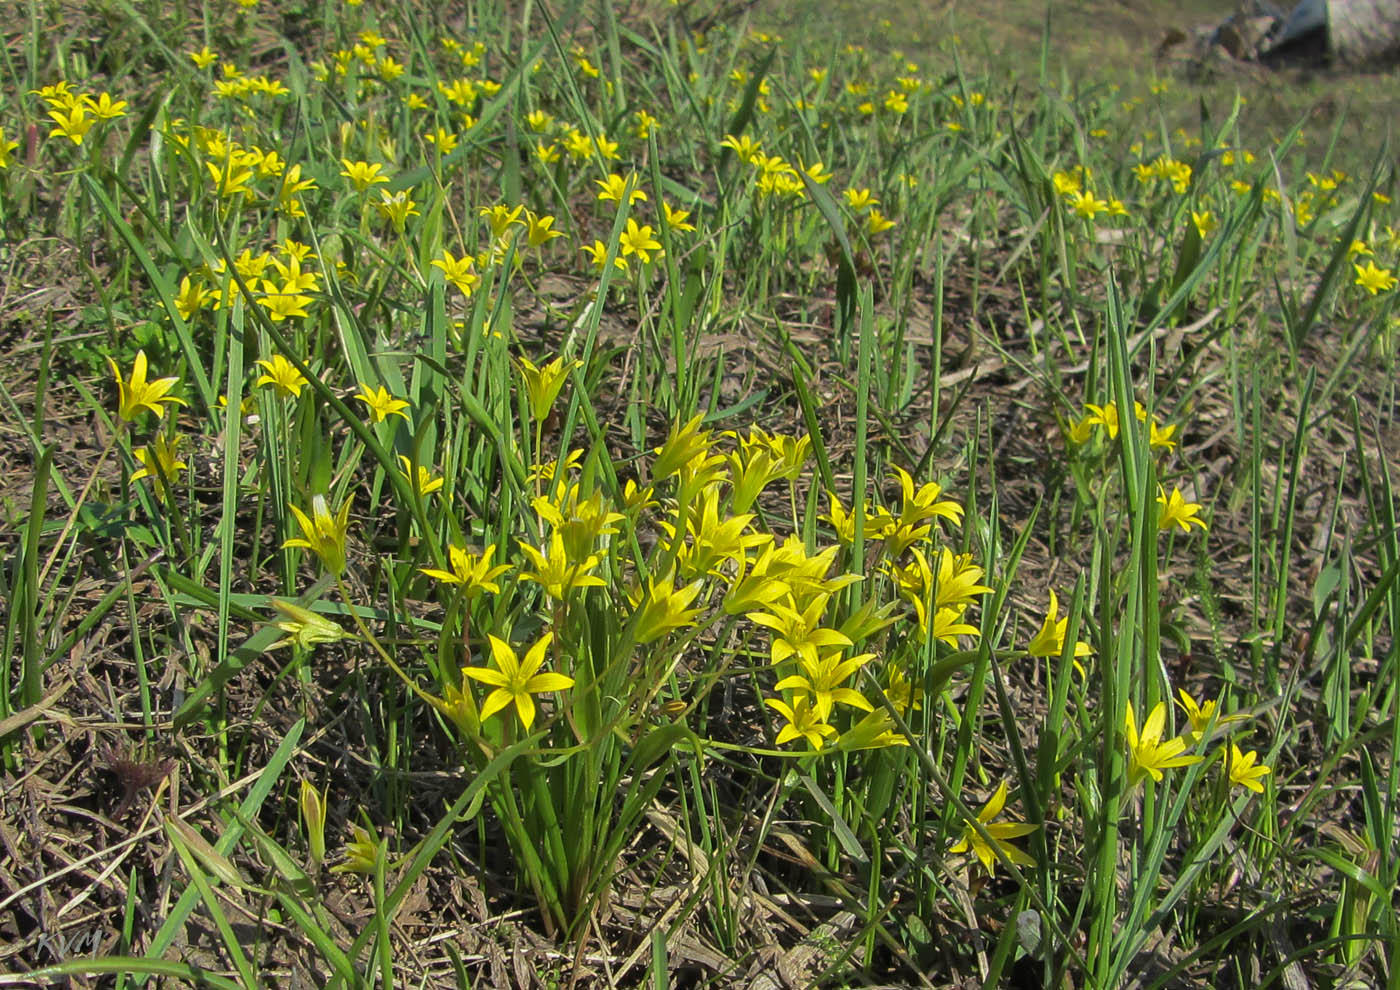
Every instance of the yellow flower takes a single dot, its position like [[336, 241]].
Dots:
[[875, 731], [916, 581], [460, 92], [598, 254], [607, 150], [1148, 753], [323, 534], [232, 179], [247, 408], [1105, 415], [58, 96], [105, 108], [1374, 279], [948, 625], [878, 523], [539, 230], [204, 57], [282, 375], [73, 123], [1050, 640], [313, 815], [1079, 431], [1202, 714], [1068, 183], [823, 679], [923, 504], [957, 580], [802, 719], [877, 223], [614, 187], [542, 384], [362, 175], [1180, 176], [745, 147], [159, 462], [474, 573], [581, 520], [422, 480], [860, 199], [380, 404], [798, 632], [760, 460], [396, 208], [138, 393], [550, 470], [578, 145], [902, 693], [675, 219], [756, 584], [292, 184], [644, 125], [1087, 205], [442, 139], [500, 218], [1205, 223], [7, 147], [458, 271], [555, 573], [584, 65], [389, 70], [1160, 436], [1244, 770], [999, 832], [664, 607], [192, 295], [268, 163], [639, 241], [516, 680], [283, 305], [295, 280], [1174, 510]]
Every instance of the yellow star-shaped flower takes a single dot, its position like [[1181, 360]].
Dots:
[[380, 404], [516, 680], [1174, 510], [137, 393], [999, 831]]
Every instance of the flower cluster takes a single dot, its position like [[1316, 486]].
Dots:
[[1149, 754], [1105, 418], [1074, 188], [73, 114]]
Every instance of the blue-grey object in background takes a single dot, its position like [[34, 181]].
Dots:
[[1307, 17]]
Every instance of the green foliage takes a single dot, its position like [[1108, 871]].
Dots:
[[761, 478]]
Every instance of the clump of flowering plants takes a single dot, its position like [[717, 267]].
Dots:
[[575, 669]]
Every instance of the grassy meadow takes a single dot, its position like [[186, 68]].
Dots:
[[557, 495]]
